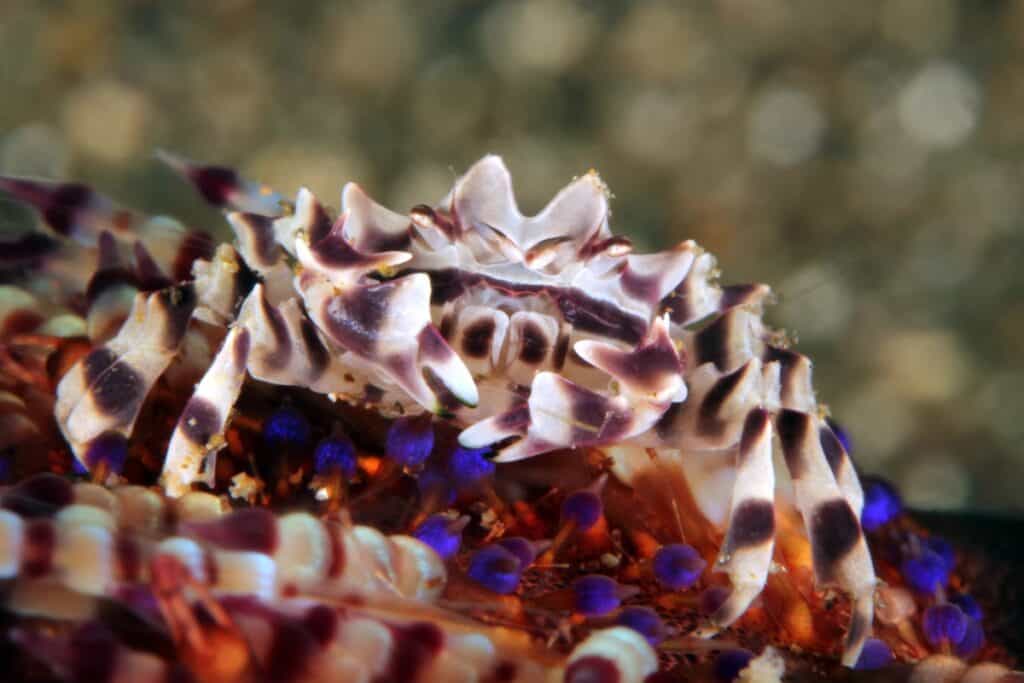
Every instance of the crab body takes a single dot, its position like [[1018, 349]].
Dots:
[[533, 334]]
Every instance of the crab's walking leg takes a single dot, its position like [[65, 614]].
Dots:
[[747, 552], [839, 551], [200, 429], [105, 390]]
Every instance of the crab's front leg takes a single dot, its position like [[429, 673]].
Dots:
[[563, 414], [838, 548], [746, 554], [200, 429], [386, 324], [105, 390]]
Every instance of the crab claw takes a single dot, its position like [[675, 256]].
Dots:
[[339, 262], [653, 371], [560, 414], [388, 324]]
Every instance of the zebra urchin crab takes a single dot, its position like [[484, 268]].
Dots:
[[522, 336]]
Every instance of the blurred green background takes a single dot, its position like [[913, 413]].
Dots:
[[864, 157]]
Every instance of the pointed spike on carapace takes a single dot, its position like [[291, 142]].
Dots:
[[370, 227], [484, 196]]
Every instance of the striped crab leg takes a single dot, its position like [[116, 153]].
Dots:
[[104, 391], [839, 549]]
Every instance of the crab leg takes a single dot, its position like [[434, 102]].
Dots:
[[200, 430], [105, 390], [839, 551], [747, 552]]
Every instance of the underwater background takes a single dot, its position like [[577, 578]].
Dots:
[[864, 158]]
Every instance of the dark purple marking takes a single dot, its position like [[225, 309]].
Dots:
[[437, 218], [104, 280], [708, 420], [787, 360], [92, 653], [316, 353], [415, 645], [292, 648], [665, 427], [578, 309], [680, 310], [737, 295], [640, 287], [282, 352], [195, 245], [354, 319], [834, 532], [446, 400], [597, 421], [712, 343], [261, 232], [504, 672], [835, 454], [334, 250], [534, 345], [128, 556], [63, 204], [245, 281], [116, 388], [561, 350], [477, 338], [249, 529], [25, 250], [178, 303], [320, 225], [215, 183], [240, 349], [793, 426], [110, 272], [37, 553], [447, 326], [200, 420], [753, 427], [372, 393], [321, 622], [646, 367], [592, 669], [517, 419], [432, 345], [752, 524], [375, 242], [41, 495], [210, 567], [148, 276]]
